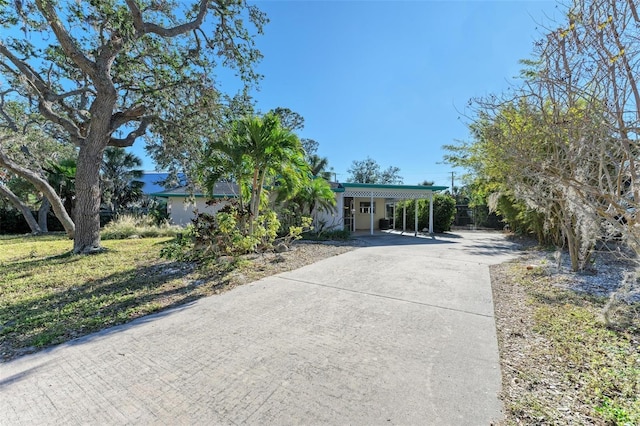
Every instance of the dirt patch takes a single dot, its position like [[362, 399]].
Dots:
[[556, 342]]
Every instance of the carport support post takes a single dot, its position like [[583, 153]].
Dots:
[[393, 217], [415, 200], [404, 216], [431, 213], [371, 212]]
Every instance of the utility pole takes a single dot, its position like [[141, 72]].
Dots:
[[452, 174]]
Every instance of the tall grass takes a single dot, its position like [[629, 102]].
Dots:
[[128, 226]]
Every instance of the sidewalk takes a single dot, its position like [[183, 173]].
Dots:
[[398, 332]]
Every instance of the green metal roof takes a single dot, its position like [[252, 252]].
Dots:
[[224, 189], [194, 195], [221, 190], [388, 186]]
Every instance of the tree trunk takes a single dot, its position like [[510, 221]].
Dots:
[[572, 243], [43, 212], [87, 206], [44, 187], [90, 155], [24, 209], [255, 193]]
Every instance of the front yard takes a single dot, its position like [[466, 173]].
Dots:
[[49, 296], [561, 362]]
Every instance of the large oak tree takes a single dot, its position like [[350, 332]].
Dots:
[[108, 72]]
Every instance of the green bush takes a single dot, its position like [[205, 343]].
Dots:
[[180, 248], [444, 213], [158, 211], [12, 222], [228, 233]]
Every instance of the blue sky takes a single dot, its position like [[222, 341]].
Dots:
[[391, 79]]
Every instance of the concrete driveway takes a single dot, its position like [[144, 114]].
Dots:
[[398, 332]]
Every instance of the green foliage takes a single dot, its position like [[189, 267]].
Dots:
[[256, 152], [62, 177], [227, 233], [296, 232], [180, 249], [332, 235], [119, 179], [523, 220], [119, 70], [528, 163], [12, 222], [289, 120], [444, 212], [158, 210], [316, 196], [319, 166], [369, 171], [289, 214]]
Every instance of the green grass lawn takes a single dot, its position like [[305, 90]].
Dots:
[[48, 295]]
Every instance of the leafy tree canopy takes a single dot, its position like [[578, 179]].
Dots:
[[369, 171], [111, 71], [290, 120]]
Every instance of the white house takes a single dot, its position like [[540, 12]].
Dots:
[[182, 204], [359, 206]]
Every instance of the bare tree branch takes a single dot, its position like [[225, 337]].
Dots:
[[56, 97], [123, 117], [47, 111], [44, 93], [11, 123], [133, 135], [66, 42], [32, 77], [150, 28]]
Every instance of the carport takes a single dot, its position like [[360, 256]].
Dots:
[[362, 195]]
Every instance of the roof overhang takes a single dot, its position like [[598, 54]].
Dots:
[[401, 192], [221, 190], [187, 195]]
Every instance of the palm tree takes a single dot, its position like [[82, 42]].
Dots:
[[318, 196], [119, 178], [257, 151], [319, 166]]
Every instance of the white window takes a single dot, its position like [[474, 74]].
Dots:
[[365, 207]]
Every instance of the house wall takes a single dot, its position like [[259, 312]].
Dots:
[[181, 210], [331, 220], [363, 220]]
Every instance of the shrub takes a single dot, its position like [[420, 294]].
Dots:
[[158, 211], [227, 233], [12, 222], [444, 213]]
